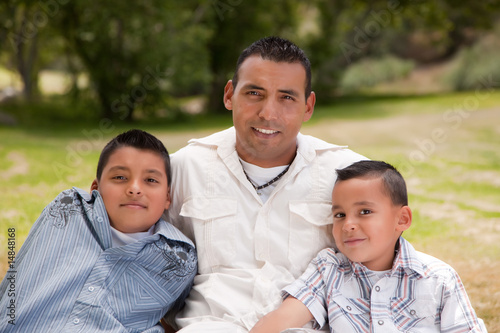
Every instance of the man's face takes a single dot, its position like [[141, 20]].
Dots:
[[134, 188], [269, 107]]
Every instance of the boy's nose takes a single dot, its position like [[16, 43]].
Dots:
[[134, 188]]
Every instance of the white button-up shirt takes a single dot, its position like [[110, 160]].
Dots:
[[249, 250]]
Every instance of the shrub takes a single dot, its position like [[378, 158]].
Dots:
[[476, 67], [372, 71]]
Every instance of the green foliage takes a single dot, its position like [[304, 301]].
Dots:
[[477, 67], [369, 72]]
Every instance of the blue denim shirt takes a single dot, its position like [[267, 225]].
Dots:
[[68, 278]]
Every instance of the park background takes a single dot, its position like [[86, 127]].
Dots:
[[411, 82]]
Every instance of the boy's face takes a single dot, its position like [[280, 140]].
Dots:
[[366, 224], [134, 189]]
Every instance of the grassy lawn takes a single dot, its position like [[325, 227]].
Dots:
[[446, 146]]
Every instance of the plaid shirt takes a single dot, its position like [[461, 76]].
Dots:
[[419, 294]]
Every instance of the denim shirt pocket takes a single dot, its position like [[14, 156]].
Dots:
[[214, 226], [414, 315], [134, 300], [310, 231]]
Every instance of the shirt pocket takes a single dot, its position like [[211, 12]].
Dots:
[[348, 314], [414, 315], [135, 301], [214, 227], [310, 231]]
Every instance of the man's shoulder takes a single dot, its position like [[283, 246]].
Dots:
[[224, 139], [311, 147]]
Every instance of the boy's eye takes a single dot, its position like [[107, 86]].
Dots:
[[365, 211], [151, 180], [119, 177], [338, 215]]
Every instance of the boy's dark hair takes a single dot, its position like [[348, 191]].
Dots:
[[394, 183], [137, 139], [278, 50]]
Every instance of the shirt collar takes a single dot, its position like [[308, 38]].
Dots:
[[162, 228], [307, 145], [405, 259]]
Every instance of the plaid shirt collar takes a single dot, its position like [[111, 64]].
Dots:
[[405, 259]]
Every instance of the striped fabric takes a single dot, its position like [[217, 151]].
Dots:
[[68, 278], [419, 294]]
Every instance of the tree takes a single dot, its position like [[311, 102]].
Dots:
[[130, 49], [19, 34], [236, 24]]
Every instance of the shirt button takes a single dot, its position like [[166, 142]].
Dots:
[[377, 288], [108, 257], [413, 312], [100, 219], [348, 308], [381, 322], [91, 288], [76, 321]]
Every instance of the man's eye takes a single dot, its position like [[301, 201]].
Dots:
[[365, 211]]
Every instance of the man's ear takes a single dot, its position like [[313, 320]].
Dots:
[[228, 94], [311, 101], [405, 218], [94, 186]]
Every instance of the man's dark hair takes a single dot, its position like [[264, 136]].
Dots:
[[137, 139], [278, 50], [394, 183]]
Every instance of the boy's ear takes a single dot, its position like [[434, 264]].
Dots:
[[94, 186], [167, 203], [405, 217]]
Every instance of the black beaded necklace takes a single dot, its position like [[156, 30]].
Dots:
[[272, 181]]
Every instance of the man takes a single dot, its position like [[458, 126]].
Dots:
[[255, 198]]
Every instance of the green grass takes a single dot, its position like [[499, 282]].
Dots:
[[454, 189]]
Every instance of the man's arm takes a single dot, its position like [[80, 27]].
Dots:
[[292, 313]]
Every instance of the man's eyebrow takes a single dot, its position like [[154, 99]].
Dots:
[[290, 92], [252, 87]]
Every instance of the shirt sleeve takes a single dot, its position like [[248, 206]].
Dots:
[[457, 313], [311, 288]]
